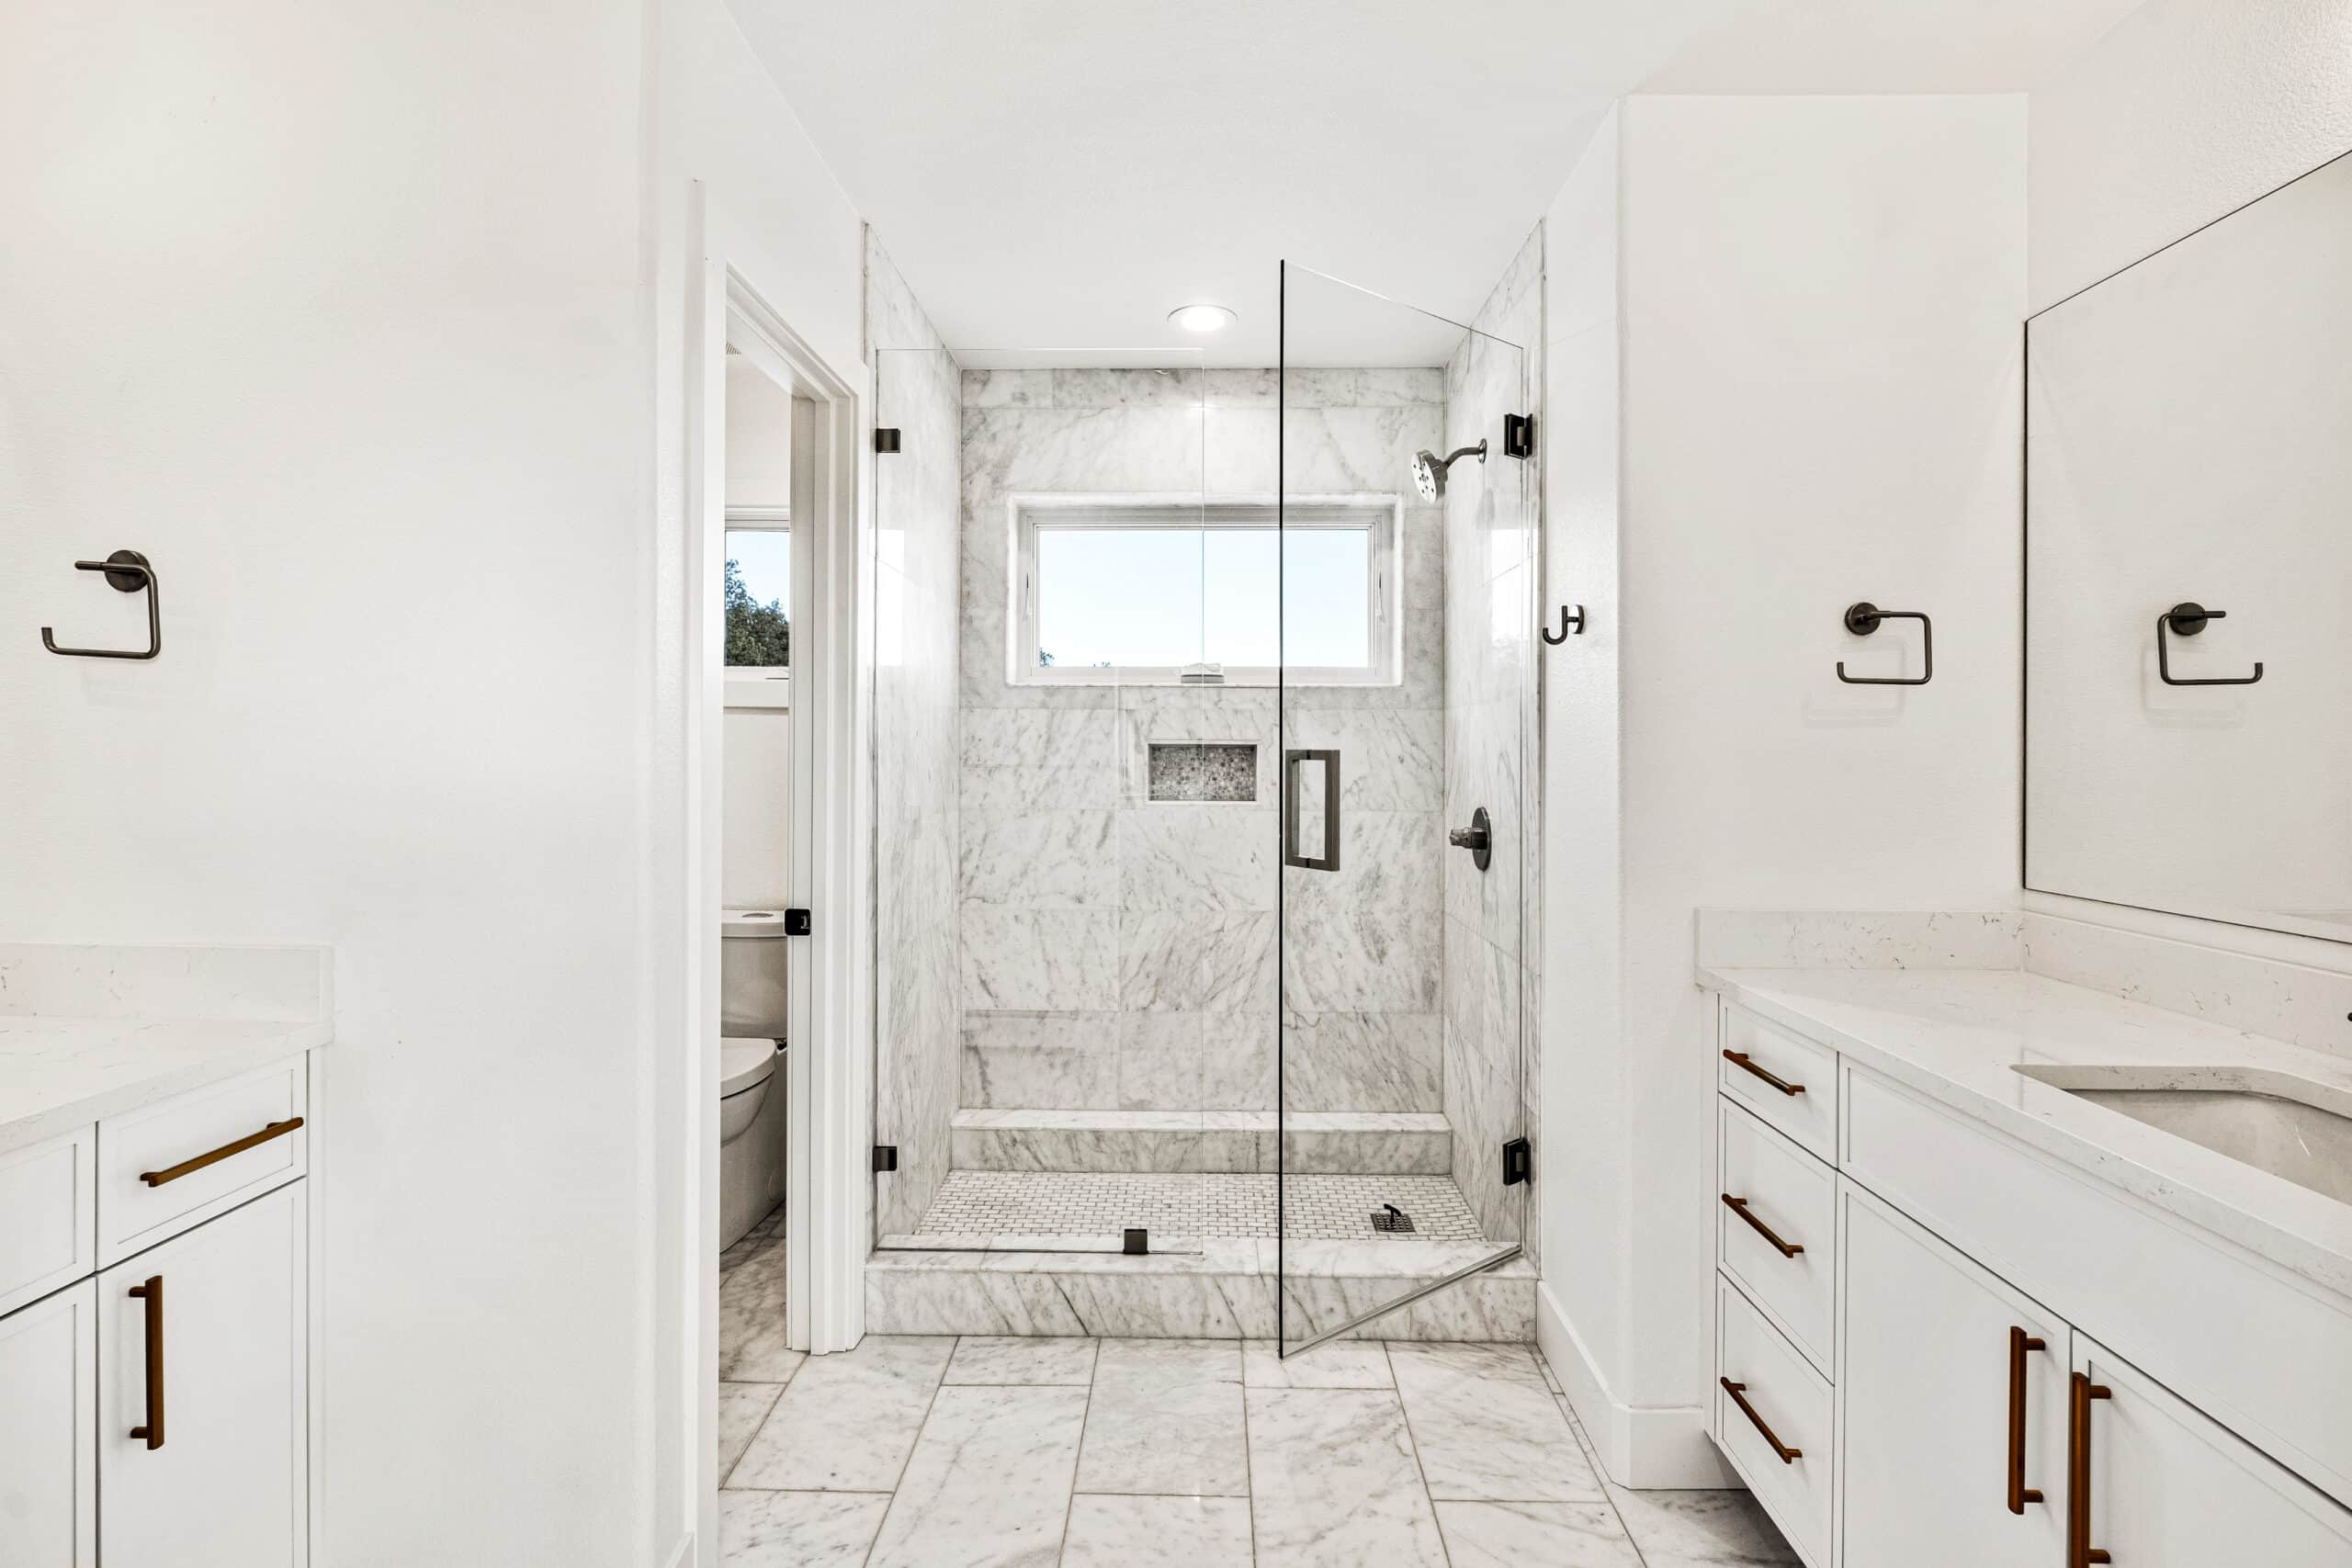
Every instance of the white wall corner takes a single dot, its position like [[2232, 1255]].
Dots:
[[1642, 1447]]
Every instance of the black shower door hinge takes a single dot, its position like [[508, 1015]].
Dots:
[[886, 438], [1519, 435], [796, 922], [1518, 1159], [885, 1156]]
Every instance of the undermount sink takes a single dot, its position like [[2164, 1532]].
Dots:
[[2296, 1130]]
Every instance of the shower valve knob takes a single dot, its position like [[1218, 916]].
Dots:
[[1477, 838]]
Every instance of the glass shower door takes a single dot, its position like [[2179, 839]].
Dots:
[[1406, 714]]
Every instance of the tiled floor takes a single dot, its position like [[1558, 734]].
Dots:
[[922, 1453], [1315, 1208]]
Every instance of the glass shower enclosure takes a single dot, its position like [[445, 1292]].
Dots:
[[1203, 717]]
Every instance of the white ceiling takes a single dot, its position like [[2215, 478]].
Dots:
[[1059, 174]]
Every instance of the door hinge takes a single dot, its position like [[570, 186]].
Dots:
[[886, 438], [1517, 1160], [885, 1156], [796, 922], [1519, 435]]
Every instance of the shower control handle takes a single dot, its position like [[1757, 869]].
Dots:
[[1479, 839]]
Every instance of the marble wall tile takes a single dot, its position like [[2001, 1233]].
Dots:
[[1167, 1418], [1198, 857], [807, 1447], [989, 1481], [1335, 1483], [1363, 1061], [1039, 759], [1045, 1060], [1362, 939], [919, 1052], [1044, 960], [1160, 1061], [1390, 759], [1176, 386], [1040, 858], [1157, 449], [1487, 1090], [1187, 961], [1008, 389], [1158, 1533], [1346, 451], [1373, 388], [1238, 1059]]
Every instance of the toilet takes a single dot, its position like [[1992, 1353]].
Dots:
[[752, 997]]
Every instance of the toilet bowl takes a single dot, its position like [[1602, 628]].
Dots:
[[744, 1068]]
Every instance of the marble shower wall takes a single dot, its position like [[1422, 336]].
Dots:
[[1118, 953], [1491, 569], [916, 721]]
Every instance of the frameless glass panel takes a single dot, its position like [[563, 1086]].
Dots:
[[1404, 833], [1058, 895]]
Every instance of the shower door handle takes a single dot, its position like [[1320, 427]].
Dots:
[[1330, 859]]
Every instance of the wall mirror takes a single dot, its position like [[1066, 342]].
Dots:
[[2188, 574]]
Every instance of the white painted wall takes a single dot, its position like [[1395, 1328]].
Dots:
[[1818, 380], [2185, 109], [350, 319]]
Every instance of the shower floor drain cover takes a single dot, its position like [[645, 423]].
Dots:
[[1389, 1218]]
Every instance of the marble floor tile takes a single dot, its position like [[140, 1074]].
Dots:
[[1009, 1359], [797, 1529], [1333, 1484], [1486, 1428], [848, 1421], [1167, 1418], [1158, 1533], [741, 1408], [989, 1483], [751, 1319], [1513, 1535], [1700, 1530], [1335, 1363]]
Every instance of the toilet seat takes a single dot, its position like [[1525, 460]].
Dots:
[[745, 1063]]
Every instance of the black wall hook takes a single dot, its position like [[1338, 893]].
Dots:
[[1570, 625], [2187, 619], [1864, 617], [127, 572]]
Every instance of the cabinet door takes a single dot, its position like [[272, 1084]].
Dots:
[[201, 1395], [1953, 1393], [2169, 1487], [49, 1407]]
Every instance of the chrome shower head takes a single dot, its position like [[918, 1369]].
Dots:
[[1428, 468]]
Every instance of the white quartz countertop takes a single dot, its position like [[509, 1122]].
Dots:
[[1956, 1035], [57, 1074]]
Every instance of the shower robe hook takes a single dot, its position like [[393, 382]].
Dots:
[[126, 572], [1570, 625]]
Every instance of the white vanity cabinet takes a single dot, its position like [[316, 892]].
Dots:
[[155, 1409], [1925, 1381]]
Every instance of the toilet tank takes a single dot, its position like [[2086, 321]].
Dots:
[[753, 961]]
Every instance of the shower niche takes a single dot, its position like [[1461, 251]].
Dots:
[[1226, 1037]]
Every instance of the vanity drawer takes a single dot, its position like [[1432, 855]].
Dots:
[[173, 1165], [48, 1217], [1781, 1439], [1786, 1079], [1776, 1227]]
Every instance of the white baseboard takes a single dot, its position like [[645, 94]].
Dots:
[[1642, 1447]]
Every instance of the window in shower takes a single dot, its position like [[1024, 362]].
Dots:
[[1133, 592]]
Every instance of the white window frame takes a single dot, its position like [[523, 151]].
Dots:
[[758, 685], [1383, 515]]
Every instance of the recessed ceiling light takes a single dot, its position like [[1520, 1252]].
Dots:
[[1202, 318]]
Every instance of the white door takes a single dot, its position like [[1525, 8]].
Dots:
[[1953, 1390], [49, 1407], [2171, 1488], [201, 1394]]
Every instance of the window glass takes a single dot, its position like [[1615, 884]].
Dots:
[[759, 592]]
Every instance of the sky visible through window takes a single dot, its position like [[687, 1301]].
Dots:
[[1176, 596], [764, 555]]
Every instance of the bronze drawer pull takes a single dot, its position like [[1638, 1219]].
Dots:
[[1737, 1391], [152, 1292], [2019, 1493], [1739, 1059], [174, 1172], [2080, 1552], [1740, 1206]]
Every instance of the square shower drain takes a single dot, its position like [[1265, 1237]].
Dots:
[[1390, 1219]]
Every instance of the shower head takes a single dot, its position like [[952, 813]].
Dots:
[[1428, 468]]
